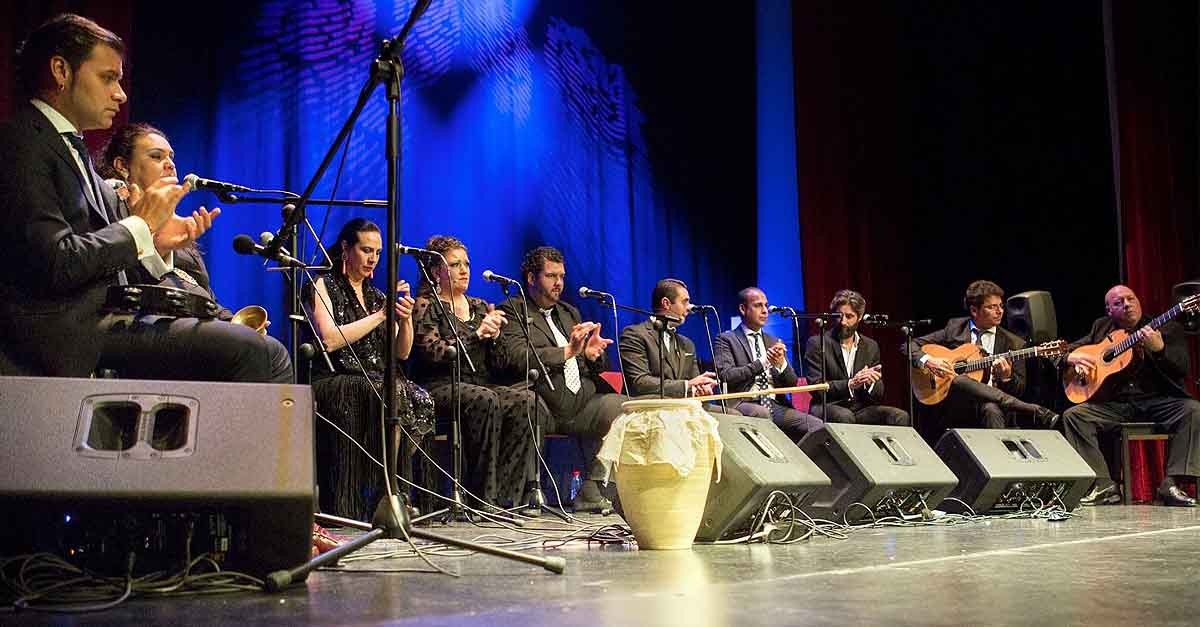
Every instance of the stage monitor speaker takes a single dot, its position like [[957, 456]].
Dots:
[[1031, 315], [94, 469], [1190, 321], [888, 471], [758, 459], [1007, 470]]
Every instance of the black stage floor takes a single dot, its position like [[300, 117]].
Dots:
[[1106, 566]]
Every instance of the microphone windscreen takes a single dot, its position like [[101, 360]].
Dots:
[[243, 244]]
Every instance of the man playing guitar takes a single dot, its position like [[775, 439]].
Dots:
[[996, 395], [1150, 388]]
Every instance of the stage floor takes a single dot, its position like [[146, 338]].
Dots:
[[1106, 566]]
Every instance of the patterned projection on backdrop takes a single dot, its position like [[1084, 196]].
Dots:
[[517, 131]]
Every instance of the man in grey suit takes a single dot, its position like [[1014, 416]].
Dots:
[[749, 359], [674, 367]]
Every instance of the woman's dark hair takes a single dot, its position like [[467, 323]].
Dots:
[[121, 145], [69, 36], [347, 238]]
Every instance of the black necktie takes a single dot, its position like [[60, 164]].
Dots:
[[94, 192], [761, 381], [90, 173]]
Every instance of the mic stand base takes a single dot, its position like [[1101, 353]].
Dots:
[[536, 503], [391, 522]]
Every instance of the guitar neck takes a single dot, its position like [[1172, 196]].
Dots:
[[1132, 340], [984, 363]]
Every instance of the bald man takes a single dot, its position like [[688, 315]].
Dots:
[[1150, 389]]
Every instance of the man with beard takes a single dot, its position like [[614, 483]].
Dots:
[[1150, 389], [984, 301], [582, 402], [851, 399], [749, 359]]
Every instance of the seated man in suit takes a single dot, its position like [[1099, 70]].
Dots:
[[582, 402], [1151, 389], [857, 398], [679, 374], [67, 239], [748, 359], [997, 394]]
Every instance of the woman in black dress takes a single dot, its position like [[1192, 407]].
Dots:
[[348, 312], [498, 439]]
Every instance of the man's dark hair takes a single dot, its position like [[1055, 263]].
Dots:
[[977, 291], [535, 260], [744, 294], [69, 36], [849, 297], [666, 288]]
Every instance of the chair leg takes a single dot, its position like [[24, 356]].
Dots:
[[1126, 473]]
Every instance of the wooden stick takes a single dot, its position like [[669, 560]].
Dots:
[[816, 387]]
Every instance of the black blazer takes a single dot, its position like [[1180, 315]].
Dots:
[[737, 368], [958, 332], [640, 357], [62, 254], [509, 356], [833, 369], [1168, 367]]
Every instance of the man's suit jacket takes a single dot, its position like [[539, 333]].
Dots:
[[62, 254], [509, 358], [833, 370], [737, 367], [1168, 367], [641, 357], [958, 332]]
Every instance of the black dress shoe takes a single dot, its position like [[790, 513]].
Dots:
[[1046, 419], [1174, 497], [1109, 495]]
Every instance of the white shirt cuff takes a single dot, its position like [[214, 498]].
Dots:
[[924, 358], [147, 253]]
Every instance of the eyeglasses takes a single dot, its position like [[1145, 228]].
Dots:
[[996, 307]]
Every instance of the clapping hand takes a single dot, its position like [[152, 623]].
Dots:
[[489, 328]]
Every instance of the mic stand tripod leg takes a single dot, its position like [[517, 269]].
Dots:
[[537, 498], [391, 521]]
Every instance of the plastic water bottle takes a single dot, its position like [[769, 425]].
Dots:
[[576, 484]]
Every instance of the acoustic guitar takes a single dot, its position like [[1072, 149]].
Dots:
[[969, 360], [1112, 354]]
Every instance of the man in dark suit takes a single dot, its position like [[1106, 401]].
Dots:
[[1150, 389], [997, 395], [674, 366], [67, 242], [582, 402], [857, 398], [749, 359]]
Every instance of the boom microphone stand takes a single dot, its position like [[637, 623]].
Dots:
[[391, 516], [712, 346], [536, 498], [821, 320]]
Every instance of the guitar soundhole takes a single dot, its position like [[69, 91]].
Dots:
[[1108, 356]]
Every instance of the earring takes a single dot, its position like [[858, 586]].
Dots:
[[61, 87]]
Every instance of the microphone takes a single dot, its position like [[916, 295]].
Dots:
[[488, 275], [698, 308], [874, 319], [586, 292], [214, 186], [266, 237], [784, 311], [244, 245], [413, 251]]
